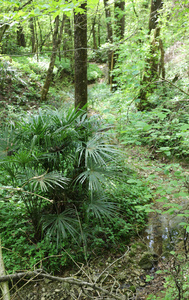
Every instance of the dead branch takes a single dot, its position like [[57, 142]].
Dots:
[[20, 275], [70, 280]]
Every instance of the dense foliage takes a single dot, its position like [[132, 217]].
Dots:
[[58, 176], [66, 190]]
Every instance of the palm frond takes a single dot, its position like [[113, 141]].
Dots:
[[46, 180], [100, 207], [60, 225], [93, 177], [99, 151]]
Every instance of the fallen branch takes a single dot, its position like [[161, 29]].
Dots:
[[20, 275], [70, 280]]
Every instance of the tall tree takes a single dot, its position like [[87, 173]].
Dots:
[[80, 51]]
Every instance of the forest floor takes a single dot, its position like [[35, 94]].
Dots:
[[125, 273]]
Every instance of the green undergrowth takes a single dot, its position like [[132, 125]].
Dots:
[[21, 252], [94, 200], [164, 129], [22, 78]]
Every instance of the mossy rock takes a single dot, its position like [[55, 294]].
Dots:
[[148, 260]]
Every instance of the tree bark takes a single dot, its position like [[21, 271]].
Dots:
[[80, 52], [3, 285]]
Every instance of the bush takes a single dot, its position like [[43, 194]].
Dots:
[[66, 158]]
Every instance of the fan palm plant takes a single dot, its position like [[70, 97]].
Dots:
[[63, 156]]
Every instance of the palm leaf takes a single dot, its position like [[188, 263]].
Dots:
[[99, 208], [99, 151], [47, 180], [94, 178], [60, 225]]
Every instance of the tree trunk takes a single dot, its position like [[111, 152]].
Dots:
[[99, 24], [80, 51], [52, 61], [60, 35], [119, 13], [93, 29], [67, 40], [154, 65], [3, 29], [32, 30], [156, 5], [20, 36], [3, 285], [109, 37], [94, 35], [36, 40], [40, 36]]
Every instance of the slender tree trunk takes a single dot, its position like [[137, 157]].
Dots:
[[93, 29], [32, 30], [109, 37], [36, 40], [156, 5], [20, 36], [40, 37], [52, 61], [60, 35], [99, 24], [3, 29], [67, 36], [94, 34], [3, 285], [119, 13], [80, 51], [154, 64], [108, 22]]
